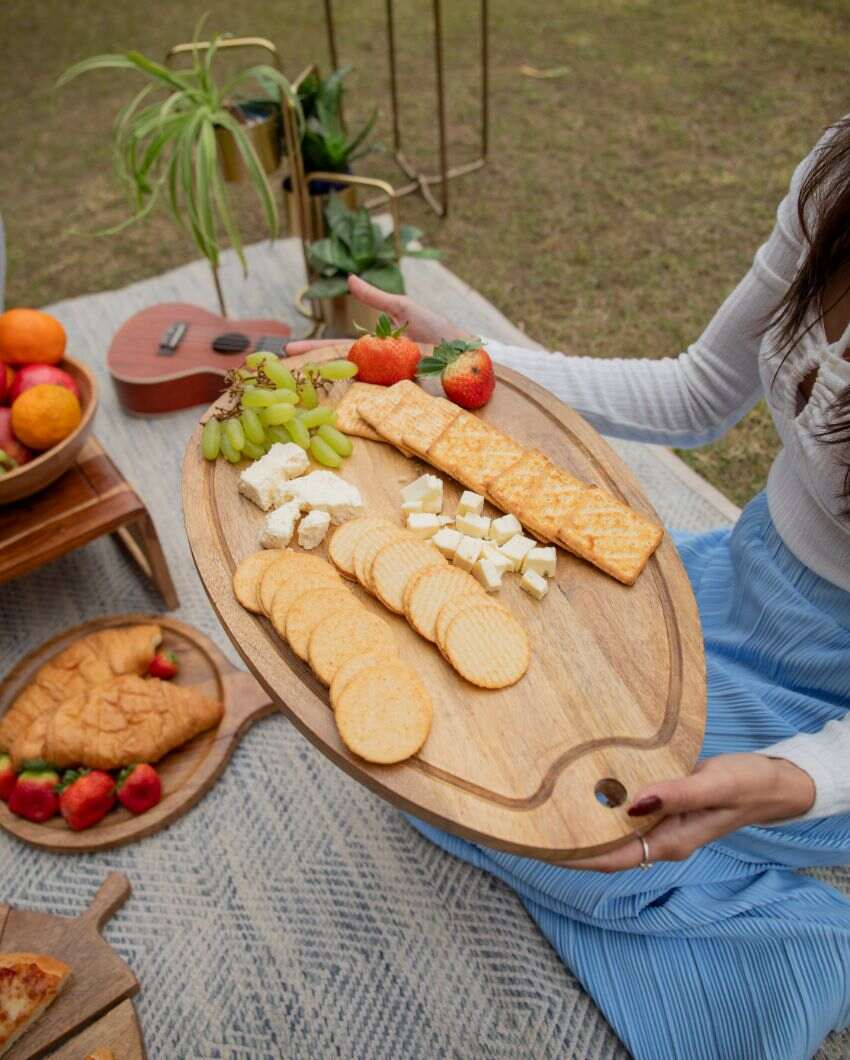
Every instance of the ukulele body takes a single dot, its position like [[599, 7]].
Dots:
[[151, 377]]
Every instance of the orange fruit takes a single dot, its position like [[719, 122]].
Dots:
[[45, 414], [28, 336]]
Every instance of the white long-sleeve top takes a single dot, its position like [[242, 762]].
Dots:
[[694, 398]]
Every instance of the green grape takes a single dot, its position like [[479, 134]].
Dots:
[[228, 452], [245, 374], [308, 395], [278, 434], [298, 433], [280, 375], [254, 452], [317, 416], [261, 398], [333, 370], [278, 414], [322, 452], [259, 357], [235, 434], [339, 442], [211, 439], [252, 427]]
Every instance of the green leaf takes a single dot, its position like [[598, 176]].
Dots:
[[326, 253], [160, 72], [407, 233], [353, 144], [387, 278], [255, 171], [430, 253], [97, 62], [363, 243], [327, 287]]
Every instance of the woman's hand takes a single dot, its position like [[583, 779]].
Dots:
[[722, 795], [423, 324]]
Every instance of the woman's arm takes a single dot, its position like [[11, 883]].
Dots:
[[825, 756]]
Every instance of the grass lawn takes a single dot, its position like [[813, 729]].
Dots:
[[623, 201]]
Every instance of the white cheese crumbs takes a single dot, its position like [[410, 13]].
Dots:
[[327, 492], [313, 528], [280, 526], [261, 481]]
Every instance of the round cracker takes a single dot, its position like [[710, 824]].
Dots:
[[246, 577], [345, 537], [487, 646], [308, 610], [351, 667], [290, 591], [432, 587], [452, 608], [384, 713], [344, 634], [291, 565], [368, 547], [396, 563]]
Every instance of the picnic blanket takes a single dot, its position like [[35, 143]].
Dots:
[[292, 913]]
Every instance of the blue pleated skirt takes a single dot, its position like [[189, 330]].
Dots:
[[732, 954]]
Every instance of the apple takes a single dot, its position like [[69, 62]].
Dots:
[[9, 443], [33, 374]]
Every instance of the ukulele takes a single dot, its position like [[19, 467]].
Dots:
[[175, 355]]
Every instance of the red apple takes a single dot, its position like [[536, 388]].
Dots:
[[33, 374], [9, 443]]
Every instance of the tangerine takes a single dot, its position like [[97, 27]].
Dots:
[[29, 336], [44, 415]]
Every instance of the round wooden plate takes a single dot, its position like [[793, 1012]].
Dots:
[[614, 697], [187, 773]]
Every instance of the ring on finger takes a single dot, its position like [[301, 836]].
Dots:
[[645, 863]]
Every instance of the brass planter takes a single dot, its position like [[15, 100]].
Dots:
[[318, 201], [264, 134], [342, 313]]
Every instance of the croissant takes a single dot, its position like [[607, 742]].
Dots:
[[88, 662]]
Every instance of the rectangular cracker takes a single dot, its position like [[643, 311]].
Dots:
[[512, 488], [376, 409], [610, 535], [548, 504], [348, 418], [403, 416], [473, 452], [429, 425]]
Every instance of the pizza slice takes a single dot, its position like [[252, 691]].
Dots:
[[29, 983]]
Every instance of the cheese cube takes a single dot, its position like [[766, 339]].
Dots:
[[280, 526], [424, 486], [496, 557], [487, 574], [409, 507], [474, 525], [447, 541], [470, 503], [542, 560], [516, 549], [261, 481], [534, 584], [446, 520], [433, 503], [504, 528], [423, 524], [312, 529], [468, 552], [324, 491]]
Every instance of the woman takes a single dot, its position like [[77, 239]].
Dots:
[[722, 950]]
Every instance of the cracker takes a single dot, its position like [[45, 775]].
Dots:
[[384, 713], [376, 407], [487, 646], [404, 415], [396, 563], [452, 608], [368, 547], [345, 537], [473, 452], [290, 565], [428, 590], [513, 487], [609, 534], [308, 610], [554, 495], [288, 592], [348, 419], [435, 416], [352, 667], [246, 577], [341, 636]]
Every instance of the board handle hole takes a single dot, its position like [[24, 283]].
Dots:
[[610, 792]]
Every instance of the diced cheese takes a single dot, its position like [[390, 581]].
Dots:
[[433, 503], [468, 552], [422, 487], [542, 560], [423, 524], [515, 550], [487, 574], [409, 507], [446, 520], [504, 528], [474, 525], [261, 481], [324, 491], [312, 528], [534, 584], [280, 526], [470, 503], [447, 541], [496, 557]]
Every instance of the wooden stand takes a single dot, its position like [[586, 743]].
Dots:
[[91, 499]]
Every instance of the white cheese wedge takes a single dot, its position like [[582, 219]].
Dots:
[[313, 528], [422, 487], [261, 481], [326, 492], [468, 552], [447, 540], [542, 560], [423, 524], [504, 528], [534, 584], [487, 574], [496, 557], [474, 525], [409, 507], [280, 526], [470, 503], [516, 549]]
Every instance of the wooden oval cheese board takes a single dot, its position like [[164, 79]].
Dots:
[[613, 699], [187, 773]]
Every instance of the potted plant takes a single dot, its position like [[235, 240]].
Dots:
[[169, 147], [357, 246]]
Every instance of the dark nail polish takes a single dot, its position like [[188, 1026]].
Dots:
[[651, 804]]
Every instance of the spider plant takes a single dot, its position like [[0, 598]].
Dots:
[[325, 145]]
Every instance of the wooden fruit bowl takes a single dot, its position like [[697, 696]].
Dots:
[[49, 465]]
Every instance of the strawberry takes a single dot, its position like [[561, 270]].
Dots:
[[163, 665], [466, 372], [385, 356], [7, 776], [34, 794], [139, 788], [86, 797]]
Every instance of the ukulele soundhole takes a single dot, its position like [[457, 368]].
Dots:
[[231, 342]]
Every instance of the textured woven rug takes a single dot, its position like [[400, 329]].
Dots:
[[292, 913]]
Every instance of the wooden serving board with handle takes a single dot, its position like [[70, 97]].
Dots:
[[187, 773], [615, 695], [99, 982]]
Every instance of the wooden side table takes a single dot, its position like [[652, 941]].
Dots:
[[91, 499]]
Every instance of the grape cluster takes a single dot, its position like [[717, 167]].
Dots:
[[269, 404]]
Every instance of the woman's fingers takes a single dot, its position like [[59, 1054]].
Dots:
[[393, 304], [305, 345], [710, 785]]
